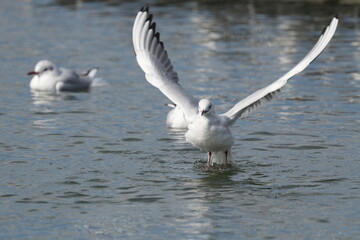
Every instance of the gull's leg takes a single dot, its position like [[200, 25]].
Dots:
[[209, 158]]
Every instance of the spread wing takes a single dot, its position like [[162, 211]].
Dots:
[[154, 61], [267, 93]]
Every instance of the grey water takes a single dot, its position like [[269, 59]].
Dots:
[[102, 164]]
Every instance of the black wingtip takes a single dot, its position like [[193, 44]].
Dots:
[[336, 16], [144, 9], [149, 18], [153, 26], [157, 36]]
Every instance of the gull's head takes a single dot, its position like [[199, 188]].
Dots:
[[43, 66], [205, 107]]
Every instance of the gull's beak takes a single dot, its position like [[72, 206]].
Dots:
[[32, 73], [203, 112]]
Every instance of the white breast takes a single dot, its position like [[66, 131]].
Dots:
[[209, 134], [42, 83]]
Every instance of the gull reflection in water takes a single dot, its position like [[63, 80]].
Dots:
[[44, 108], [46, 98]]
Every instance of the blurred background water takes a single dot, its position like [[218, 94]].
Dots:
[[102, 165]]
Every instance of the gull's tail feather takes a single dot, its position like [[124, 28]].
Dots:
[[91, 73], [94, 81]]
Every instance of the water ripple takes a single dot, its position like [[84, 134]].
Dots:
[[73, 195], [302, 147]]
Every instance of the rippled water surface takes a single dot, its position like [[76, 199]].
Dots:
[[102, 165]]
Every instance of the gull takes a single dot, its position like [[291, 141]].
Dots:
[[205, 129], [176, 117], [47, 77]]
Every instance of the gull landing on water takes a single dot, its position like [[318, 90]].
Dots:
[[47, 77], [206, 129]]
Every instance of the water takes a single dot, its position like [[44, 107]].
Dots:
[[102, 165]]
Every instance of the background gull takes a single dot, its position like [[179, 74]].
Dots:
[[206, 129], [49, 78]]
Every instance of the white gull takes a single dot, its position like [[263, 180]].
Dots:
[[206, 129], [47, 77]]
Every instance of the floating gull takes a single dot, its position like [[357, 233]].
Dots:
[[176, 117], [52, 79], [206, 129]]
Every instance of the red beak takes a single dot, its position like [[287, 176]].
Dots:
[[32, 73]]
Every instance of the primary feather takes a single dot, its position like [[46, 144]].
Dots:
[[154, 61]]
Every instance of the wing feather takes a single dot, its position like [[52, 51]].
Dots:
[[267, 93], [154, 61]]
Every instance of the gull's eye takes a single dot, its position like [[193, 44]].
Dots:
[[45, 69]]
